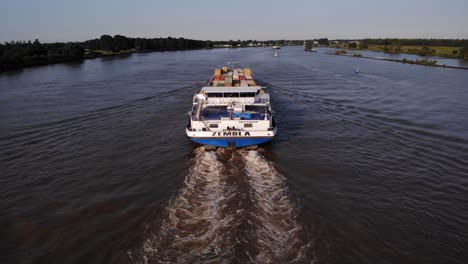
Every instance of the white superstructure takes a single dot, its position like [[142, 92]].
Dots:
[[232, 111]]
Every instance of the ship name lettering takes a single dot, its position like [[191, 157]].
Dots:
[[230, 133]]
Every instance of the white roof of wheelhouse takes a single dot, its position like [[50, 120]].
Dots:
[[240, 89]]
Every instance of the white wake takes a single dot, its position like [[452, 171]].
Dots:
[[278, 230], [194, 228]]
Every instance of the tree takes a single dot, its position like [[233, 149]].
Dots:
[[181, 43], [308, 45], [352, 45], [464, 51], [426, 51], [363, 45], [72, 50], [395, 46], [121, 43], [106, 42], [323, 41]]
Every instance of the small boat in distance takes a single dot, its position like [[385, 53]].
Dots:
[[232, 111]]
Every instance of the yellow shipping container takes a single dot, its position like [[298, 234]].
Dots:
[[247, 71], [217, 72]]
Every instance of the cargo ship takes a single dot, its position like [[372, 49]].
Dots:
[[232, 111]]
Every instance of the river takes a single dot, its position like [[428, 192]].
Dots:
[[368, 167]]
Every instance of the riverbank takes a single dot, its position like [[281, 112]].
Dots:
[[438, 51], [16, 55], [432, 51], [37, 61], [431, 63]]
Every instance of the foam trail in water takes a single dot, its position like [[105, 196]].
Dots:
[[277, 229], [194, 228]]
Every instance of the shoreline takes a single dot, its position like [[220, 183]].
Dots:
[[402, 61], [91, 55]]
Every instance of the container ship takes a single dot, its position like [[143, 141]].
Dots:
[[232, 111]]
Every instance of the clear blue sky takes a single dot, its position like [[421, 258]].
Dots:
[[78, 20]]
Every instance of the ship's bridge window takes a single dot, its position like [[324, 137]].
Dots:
[[231, 94], [247, 94], [215, 94], [255, 108]]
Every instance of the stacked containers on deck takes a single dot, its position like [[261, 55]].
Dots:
[[216, 78], [228, 81], [248, 76], [243, 80], [236, 75]]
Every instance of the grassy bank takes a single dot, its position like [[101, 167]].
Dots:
[[439, 51], [426, 62], [436, 51]]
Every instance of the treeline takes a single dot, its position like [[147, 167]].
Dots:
[[20, 54], [250, 42], [395, 46], [417, 42], [119, 43]]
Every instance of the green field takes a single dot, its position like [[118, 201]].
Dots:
[[439, 51]]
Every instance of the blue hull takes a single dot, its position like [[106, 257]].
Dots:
[[225, 142]]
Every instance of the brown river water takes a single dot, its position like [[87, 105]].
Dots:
[[371, 167]]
